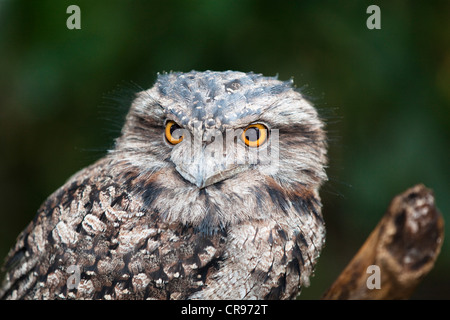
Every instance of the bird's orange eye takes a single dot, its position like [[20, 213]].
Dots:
[[173, 132], [255, 135]]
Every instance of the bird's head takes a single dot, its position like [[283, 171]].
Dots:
[[210, 140]]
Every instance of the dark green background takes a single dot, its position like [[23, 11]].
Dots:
[[385, 94]]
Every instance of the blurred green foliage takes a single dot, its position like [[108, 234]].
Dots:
[[385, 94]]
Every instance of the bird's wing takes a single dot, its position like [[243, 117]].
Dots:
[[263, 259], [94, 239]]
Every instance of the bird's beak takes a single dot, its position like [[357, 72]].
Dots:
[[208, 164], [201, 175]]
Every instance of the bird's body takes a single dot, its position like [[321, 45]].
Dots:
[[194, 216]]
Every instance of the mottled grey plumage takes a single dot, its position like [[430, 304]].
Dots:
[[162, 221]]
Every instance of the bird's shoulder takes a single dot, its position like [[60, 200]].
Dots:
[[121, 249]]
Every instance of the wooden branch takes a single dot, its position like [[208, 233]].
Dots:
[[403, 246]]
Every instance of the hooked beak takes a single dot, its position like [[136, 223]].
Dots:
[[202, 176], [206, 162]]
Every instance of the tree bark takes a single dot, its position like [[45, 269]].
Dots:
[[403, 247]]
